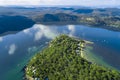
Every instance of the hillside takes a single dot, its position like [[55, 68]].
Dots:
[[62, 60], [96, 20], [14, 23], [108, 18]]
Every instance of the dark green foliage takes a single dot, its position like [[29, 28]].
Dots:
[[59, 61], [50, 18], [84, 11], [14, 23], [60, 17]]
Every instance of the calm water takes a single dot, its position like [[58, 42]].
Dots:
[[17, 49]]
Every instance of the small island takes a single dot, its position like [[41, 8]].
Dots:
[[62, 60]]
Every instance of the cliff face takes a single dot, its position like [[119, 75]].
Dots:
[[62, 60]]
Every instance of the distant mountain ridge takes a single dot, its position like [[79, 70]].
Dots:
[[108, 18]]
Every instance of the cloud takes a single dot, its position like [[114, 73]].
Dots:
[[39, 31], [26, 31], [12, 49], [62, 2], [42, 30], [72, 30], [1, 39], [38, 35], [19, 2]]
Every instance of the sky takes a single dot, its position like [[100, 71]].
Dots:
[[92, 3]]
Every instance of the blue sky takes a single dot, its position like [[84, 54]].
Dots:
[[109, 3]]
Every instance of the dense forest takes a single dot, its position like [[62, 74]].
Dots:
[[62, 60]]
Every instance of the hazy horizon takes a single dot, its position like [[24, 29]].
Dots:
[[66, 6], [39, 3]]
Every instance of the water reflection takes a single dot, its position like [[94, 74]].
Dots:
[[71, 29], [1, 39], [12, 49], [16, 49]]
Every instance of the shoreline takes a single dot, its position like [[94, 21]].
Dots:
[[89, 55]]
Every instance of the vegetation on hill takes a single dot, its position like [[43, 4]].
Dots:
[[109, 22], [14, 23], [62, 60], [60, 17], [13, 17]]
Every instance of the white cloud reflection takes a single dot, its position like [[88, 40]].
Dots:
[[39, 31], [1, 39], [43, 31], [12, 49], [38, 35], [71, 28], [26, 31]]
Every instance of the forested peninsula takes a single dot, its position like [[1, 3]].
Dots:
[[62, 60]]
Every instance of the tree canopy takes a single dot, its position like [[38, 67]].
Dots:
[[60, 61]]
